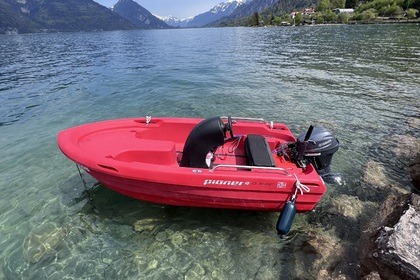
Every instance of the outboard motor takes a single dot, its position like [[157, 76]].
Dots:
[[319, 149]]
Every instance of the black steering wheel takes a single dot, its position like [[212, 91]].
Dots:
[[230, 127]]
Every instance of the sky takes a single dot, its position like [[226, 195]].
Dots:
[[177, 8]]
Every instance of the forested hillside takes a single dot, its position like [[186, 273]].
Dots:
[[57, 15]]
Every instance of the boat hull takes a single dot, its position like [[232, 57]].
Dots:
[[141, 160]]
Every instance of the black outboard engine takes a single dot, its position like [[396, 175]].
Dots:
[[319, 149]]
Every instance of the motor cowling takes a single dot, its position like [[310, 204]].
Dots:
[[319, 149]]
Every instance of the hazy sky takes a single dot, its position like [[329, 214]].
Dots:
[[178, 8]]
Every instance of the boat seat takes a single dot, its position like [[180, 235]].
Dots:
[[149, 151], [205, 137], [258, 152]]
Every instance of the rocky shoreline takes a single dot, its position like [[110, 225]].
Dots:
[[391, 244]]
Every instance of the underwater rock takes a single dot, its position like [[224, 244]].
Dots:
[[406, 147], [348, 206], [177, 239], [153, 264], [415, 174], [392, 244], [195, 272], [145, 225], [327, 247], [375, 175], [376, 185], [42, 241]]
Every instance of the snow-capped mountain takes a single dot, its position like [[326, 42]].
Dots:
[[217, 12], [174, 21], [252, 7]]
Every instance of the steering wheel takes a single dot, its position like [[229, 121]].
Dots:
[[230, 127]]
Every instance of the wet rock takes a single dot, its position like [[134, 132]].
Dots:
[[413, 124], [145, 225], [153, 264], [177, 239], [195, 272], [375, 175], [327, 247], [348, 206], [42, 241], [375, 184], [405, 146], [374, 275], [415, 174], [399, 246], [161, 236], [392, 242]]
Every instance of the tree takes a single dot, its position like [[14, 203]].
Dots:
[[319, 19], [412, 13], [337, 4], [276, 20], [329, 16], [323, 5], [369, 14], [298, 19], [255, 19], [269, 19], [343, 18]]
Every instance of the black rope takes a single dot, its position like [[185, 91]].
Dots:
[[87, 191], [81, 177]]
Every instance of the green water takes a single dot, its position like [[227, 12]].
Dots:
[[362, 82]]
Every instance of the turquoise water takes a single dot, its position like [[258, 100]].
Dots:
[[362, 82]]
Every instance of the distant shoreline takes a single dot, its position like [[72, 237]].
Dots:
[[354, 22], [385, 21]]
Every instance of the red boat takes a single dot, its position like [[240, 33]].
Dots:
[[217, 162]]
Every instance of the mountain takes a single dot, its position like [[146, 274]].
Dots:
[[23, 16], [11, 21], [137, 15], [287, 6], [174, 21], [217, 12], [252, 7], [240, 15]]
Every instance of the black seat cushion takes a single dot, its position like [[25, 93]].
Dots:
[[258, 151]]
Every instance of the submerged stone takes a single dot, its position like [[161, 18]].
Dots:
[[42, 241], [327, 247], [375, 175], [195, 272], [406, 147], [348, 206], [145, 225]]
